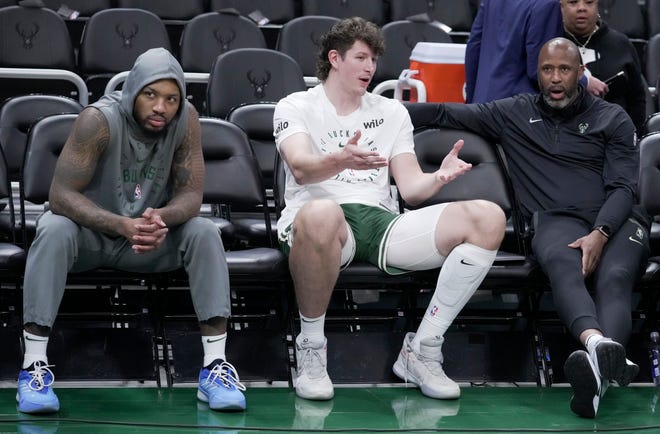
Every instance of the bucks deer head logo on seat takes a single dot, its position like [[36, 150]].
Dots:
[[259, 83], [411, 41], [224, 38], [315, 38], [127, 33], [27, 31]]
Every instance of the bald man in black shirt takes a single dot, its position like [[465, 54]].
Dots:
[[574, 165]]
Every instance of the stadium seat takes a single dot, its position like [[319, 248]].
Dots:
[[257, 275], [257, 121], [652, 72], [400, 39], [174, 14], [35, 44], [85, 8], [371, 10], [649, 197], [34, 38], [12, 257], [300, 39], [625, 16], [113, 39], [207, 36], [166, 10], [652, 124], [456, 14], [247, 75], [278, 12], [653, 17], [18, 114]]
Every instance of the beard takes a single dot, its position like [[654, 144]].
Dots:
[[569, 97]]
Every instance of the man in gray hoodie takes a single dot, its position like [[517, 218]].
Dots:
[[125, 194]]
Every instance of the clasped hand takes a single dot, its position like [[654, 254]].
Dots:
[[148, 232]]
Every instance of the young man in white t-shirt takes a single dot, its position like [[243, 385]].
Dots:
[[341, 144]]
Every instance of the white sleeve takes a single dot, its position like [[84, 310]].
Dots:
[[288, 119]]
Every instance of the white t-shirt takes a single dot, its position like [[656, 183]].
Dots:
[[385, 126]]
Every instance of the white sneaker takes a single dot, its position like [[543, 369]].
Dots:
[[313, 381], [425, 368]]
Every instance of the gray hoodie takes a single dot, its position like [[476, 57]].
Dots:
[[134, 171]]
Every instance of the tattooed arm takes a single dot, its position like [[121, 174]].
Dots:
[[188, 176], [75, 169]]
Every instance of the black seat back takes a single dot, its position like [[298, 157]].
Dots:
[[168, 10], [208, 35], [652, 124], [371, 10], [486, 179], [400, 39], [113, 39], [652, 72], [257, 122], [457, 14], [233, 176], [34, 38], [247, 75], [45, 142], [300, 39], [18, 114], [649, 173], [625, 16], [276, 12]]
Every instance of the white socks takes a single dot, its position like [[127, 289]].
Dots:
[[591, 343], [312, 329], [35, 349], [460, 276], [214, 348]]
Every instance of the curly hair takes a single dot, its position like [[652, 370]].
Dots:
[[342, 36]]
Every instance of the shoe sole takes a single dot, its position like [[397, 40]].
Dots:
[[580, 374], [34, 409], [401, 372], [611, 359], [226, 406]]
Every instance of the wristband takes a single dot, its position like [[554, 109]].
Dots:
[[603, 230]]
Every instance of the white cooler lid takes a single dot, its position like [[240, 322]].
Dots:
[[438, 52]]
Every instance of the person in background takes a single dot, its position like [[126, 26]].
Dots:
[[340, 145], [609, 56], [504, 44], [125, 194]]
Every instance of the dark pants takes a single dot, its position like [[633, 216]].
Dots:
[[622, 261]]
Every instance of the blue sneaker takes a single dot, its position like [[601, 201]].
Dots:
[[35, 394], [220, 386]]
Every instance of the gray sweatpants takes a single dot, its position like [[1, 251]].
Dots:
[[61, 246]]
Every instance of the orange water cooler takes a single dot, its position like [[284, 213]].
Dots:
[[441, 67]]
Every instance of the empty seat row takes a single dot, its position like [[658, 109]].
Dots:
[[113, 39], [458, 14]]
